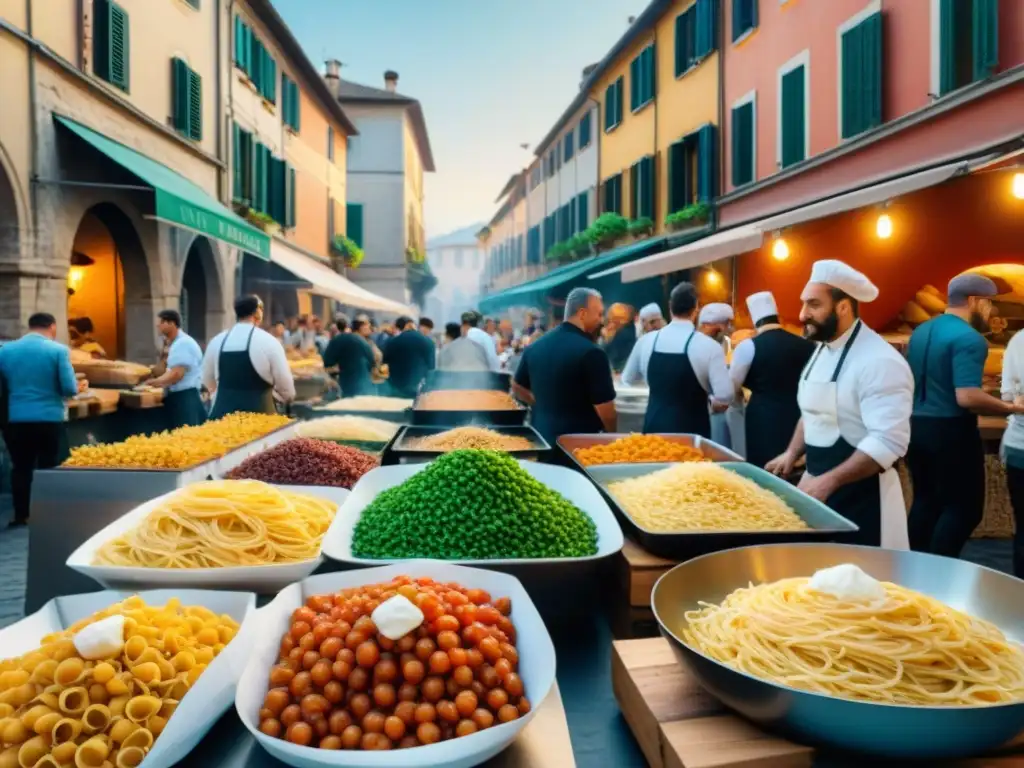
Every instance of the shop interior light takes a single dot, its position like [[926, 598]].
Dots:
[[75, 275], [780, 248], [1018, 185], [711, 277], [883, 227]]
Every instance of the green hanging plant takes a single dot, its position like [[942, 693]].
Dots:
[[348, 251], [641, 227], [608, 228], [691, 215]]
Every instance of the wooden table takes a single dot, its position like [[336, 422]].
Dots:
[[637, 570], [679, 725]]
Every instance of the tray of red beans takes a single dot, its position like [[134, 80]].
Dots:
[[404, 666]]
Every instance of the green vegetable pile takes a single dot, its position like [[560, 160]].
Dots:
[[473, 505]]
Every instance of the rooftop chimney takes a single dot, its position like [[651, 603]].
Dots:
[[333, 76], [391, 80], [631, 20], [586, 73]]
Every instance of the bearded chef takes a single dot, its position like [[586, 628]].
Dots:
[[856, 395]]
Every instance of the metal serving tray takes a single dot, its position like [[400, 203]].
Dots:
[[512, 417], [467, 380], [711, 450], [404, 450], [825, 524], [395, 417]]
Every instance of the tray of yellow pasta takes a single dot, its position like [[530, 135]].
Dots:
[[116, 679], [221, 534], [682, 510]]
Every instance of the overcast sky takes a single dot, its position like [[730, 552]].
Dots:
[[491, 75]]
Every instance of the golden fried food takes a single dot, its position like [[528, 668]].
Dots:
[[638, 449]]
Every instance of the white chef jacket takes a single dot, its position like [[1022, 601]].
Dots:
[[705, 355], [1013, 387], [266, 353], [482, 338], [875, 394]]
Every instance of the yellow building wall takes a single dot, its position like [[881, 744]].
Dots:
[[15, 123], [634, 137], [413, 189], [158, 32], [684, 103]]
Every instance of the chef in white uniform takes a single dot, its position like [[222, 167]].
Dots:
[[855, 395], [714, 321], [650, 319]]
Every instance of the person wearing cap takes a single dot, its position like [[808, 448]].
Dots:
[[769, 365], [714, 322], [651, 319], [682, 367], [855, 395], [946, 458]]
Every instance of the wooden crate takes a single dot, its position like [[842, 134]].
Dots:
[[148, 399], [636, 572], [679, 725]]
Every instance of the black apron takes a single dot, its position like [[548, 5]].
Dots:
[[678, 403], [772, 414], [184, 408], [859, 502], [240, 388]]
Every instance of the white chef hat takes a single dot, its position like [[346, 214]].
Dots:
[[650, 312], [761, 305], [839, 275], [715, 313]]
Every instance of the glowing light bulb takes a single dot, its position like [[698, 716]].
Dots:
[[1018, 186], [712, 277], [883, 227], [780, 249], [75, 275]]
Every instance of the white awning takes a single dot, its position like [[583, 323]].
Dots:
[[327, 282], [877, 193], [720, 245]]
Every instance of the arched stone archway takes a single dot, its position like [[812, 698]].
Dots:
[[202, 291], [10, 254], [109, 273]]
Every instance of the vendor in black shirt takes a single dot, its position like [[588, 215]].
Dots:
[[353, 356], [566, 377], [409, 356]]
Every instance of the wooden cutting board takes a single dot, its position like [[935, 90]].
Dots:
[[679, 725]]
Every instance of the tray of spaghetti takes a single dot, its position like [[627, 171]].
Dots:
[[119, 680], [222, 534], [895, 654], [681, 510]]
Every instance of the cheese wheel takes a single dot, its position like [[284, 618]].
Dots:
[[930, 302], [914, 313]]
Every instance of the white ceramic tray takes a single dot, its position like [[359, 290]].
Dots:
[[263, 579], [208, 698], [574, 486], [536, 655]]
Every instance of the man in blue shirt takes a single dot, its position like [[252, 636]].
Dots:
[[946, 457], [37, 376], [184, 374], [409, 356]]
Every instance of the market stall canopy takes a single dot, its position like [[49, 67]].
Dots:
[[750, 236], [534, 292], [327, 282], [178, 201]]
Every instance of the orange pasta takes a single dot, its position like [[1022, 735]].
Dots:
[[638, 449]]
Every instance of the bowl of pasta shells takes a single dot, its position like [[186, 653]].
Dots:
[[117, 679], [895, 654], [219, 534]]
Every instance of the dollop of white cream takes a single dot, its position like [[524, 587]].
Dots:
[[847, 582], [103, 639], [397, 617]]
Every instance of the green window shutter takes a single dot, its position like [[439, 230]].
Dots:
[[634, 83], [947, 46], [180, 95], [111, 53], [676, 175], [861, 84], [742, 140], [236, 162], [263, 191], [705, 18], [707, 163], [286, 103], [744, 17], [609, 111], [647, 188], [271, 80], [792, 118], [652, 73], [620, 90], [873, 77], [257, 53], [195, 98], [851, 56], [582, 212], [680, 42], [297, 112], [290, 218], [239, 56], [354, 219], [984, 37]]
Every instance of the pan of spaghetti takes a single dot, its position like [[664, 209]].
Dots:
[[220, 534], [893, 654]]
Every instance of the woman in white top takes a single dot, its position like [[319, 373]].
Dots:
[[1013, 443]]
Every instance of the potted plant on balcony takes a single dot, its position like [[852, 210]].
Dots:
[[258, 219], [346, 249], [696, 214], [641, 228], [420, 280], [607, 230]]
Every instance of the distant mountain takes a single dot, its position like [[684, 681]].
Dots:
[[464, 236]]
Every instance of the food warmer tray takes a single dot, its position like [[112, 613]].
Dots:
[[403, 450], [501, 382], [306, 412], [826, 524], [711, 450], [513, 417]]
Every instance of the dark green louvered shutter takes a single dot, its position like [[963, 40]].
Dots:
[[354, 223], [297, 110], [634, 83], [744, 17], [793, 128], [111, 45], [195, 109], [236, 163], [290, 208], [947, 46], [707, 163], [872, 53], [582, 212], [239, 42], [271, 79], [706, 33], [648, 187], [742, 140], [181, 99], [851, 52], [676, 177], [985, 37]]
